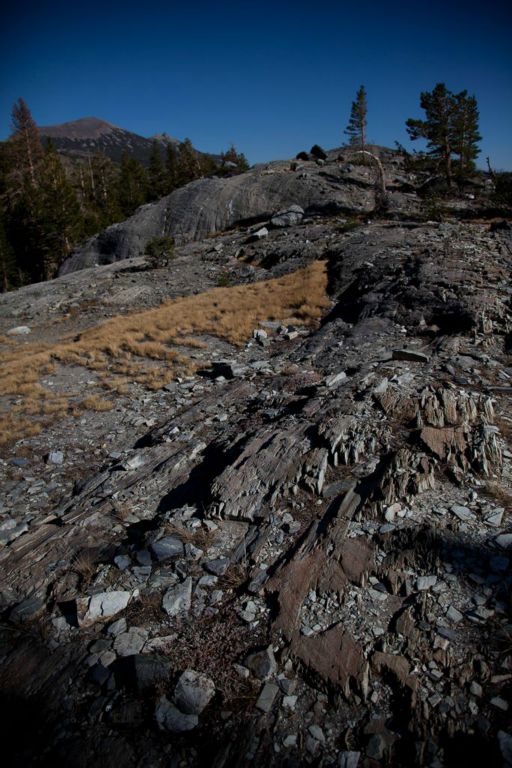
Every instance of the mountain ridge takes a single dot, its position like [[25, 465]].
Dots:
[[81, 138]]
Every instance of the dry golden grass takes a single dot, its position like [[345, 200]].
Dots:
[[138, 347], [84, 564], [96, 403]]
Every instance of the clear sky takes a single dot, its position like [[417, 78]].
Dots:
[[271, 77]]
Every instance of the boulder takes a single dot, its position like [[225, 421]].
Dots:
[[178, 599], [217, 204], [169, 718], [106, 604], [193, 692], [288, 216]]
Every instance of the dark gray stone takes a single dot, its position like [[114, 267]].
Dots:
[[167, 547], [193, 692]]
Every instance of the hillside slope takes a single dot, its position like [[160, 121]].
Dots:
[[217, 204], [257, 504], [80, 139]]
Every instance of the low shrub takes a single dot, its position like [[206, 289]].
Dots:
[[159, 251]]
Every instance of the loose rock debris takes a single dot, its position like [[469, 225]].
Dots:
[[299, 556]]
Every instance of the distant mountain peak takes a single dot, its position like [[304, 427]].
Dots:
[[79, 139], [83, 128]]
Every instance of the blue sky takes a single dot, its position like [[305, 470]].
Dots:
[[273, 78]]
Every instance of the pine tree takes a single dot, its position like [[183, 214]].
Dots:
[[96, 184], [235, 158], [450, 128], [25, 145], [156, 173], [171, 169], [8, 269], [356, 128], [465, 135], [188, 164], [58, 220], [133, 184]]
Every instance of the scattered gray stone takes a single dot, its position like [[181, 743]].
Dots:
[[425, 582], [131, 642], [134, 462], [288, 217], [117, 627], [193, 692], [289, 702], [217, 567], [178, 598], [505, 742], [56, 457], [335, 379], [454, 615], [317, 733], [18, 462], [348, 759], [122, 562], [463, 513], [11, 534], [192, 552], [410, 355], [19, 330], [476, 689], [259, 334], [499, 703], [106, 604], [262, 663], [495, 518], [143, 557], [167, 547], [208, 580], [504, 540], [258, 235], [27, 610], [169, 718], [267, 697]]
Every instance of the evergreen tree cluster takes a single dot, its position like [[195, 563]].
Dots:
[[450, 129], [46, 209]]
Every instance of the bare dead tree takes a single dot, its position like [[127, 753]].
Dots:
[[381, 195]]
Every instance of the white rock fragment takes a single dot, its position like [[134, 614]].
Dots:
[[106, 604], [425, 582], [193, 692], [178, 599]]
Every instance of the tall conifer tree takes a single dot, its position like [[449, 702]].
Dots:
[[133, 184], [25, 144], [450, 128], [356, 128], [156, 173]]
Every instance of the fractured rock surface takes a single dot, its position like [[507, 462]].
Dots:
[[300, 556]]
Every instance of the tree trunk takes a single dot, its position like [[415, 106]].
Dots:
[[381, 195]]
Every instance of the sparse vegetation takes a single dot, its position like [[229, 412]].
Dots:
[[503, 189], [141, 347], [159, 251], [349, 225]]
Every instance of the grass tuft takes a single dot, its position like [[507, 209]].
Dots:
[[142, 347]]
